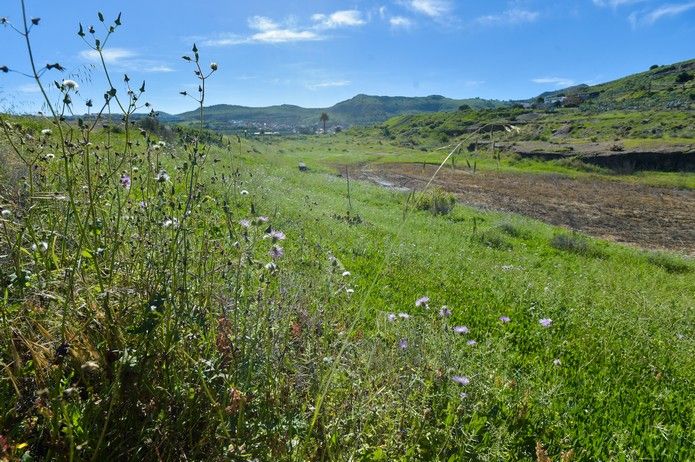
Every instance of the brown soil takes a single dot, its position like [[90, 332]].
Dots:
[[639, 215]]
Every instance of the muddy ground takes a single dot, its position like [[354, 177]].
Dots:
[[643, 216]]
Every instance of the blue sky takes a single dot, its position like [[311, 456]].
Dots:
[[316, 53]]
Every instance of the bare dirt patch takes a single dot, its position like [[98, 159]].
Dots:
[[644, 216]]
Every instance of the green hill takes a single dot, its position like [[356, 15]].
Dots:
[[660, 88], [360, 110]]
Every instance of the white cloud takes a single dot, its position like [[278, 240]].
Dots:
[[344, 18], [557, 81], [664, 11], [382, 12], [267, 30], [512, 16], [111, 55], [328, 84], [400, 22], [431, 8]]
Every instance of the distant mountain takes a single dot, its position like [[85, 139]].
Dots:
[[360, 110]]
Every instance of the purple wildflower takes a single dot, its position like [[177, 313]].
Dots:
[[472, 342], [461, 379], [461, 329], [545, 322], [422, 301], [463, 395], [391, 317], [445, 312], [505, 319], [403, 344], [261, 219], [276, 252], [245, 223], [404, 315], [125, 181], [276, 235]]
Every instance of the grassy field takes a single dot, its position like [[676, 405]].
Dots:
[[362, 147], [194, 341]]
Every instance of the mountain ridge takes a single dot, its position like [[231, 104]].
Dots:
[[656, 88]]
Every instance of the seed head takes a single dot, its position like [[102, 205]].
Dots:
[[70, 84]]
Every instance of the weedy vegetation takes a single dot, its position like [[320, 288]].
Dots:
[[198, 298]]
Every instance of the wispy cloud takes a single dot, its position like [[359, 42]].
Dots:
[[125, 59], [157, 68], [111, 55], [663, 11], [511, 16], [401, 22], [328, 84], [431, 8], [560, 82], [29, 88], [344, 18], [615, 3]]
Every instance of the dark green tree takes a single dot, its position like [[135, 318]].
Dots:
[[324, 119]]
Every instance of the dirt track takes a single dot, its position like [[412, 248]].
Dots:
[[643, 216]]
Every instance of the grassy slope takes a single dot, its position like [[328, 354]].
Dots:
[[655, 89], [625, 383]]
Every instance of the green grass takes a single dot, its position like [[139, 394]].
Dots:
[[359, 148], [213, 355]]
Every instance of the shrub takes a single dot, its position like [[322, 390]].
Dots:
[[512, 230], [436, 200], [668, 262], [575, 243], [684, 77], [493, 238]]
